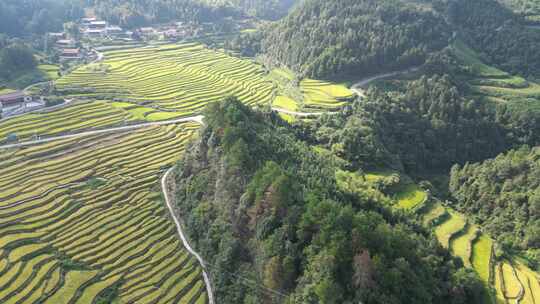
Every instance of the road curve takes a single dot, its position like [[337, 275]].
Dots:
[[358, 87], [197, 119], [183, 237]]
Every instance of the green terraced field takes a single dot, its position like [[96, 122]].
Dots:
[[286, 103], [453, 225], [80, 117], [179, 77], [84, 217], [410, 196], [77, 117], [321, 95], [461, 244], [475, 249], [497, 85]]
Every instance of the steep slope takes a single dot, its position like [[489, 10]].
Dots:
[[323, 38], [504, 195], [265, 211], [496, 32]]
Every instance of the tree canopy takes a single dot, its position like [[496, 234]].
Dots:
[[263, 207]]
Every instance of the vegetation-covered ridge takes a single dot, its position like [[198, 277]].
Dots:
[[503, 194], [263, 207], [354, 37]]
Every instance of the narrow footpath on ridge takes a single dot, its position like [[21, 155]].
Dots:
[[167, 197]]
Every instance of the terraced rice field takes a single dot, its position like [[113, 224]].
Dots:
[[321, 95], [83, 220], [74, 118], [410, 196], [510, 281], [461, 243], [80, 117], [453, 225], [189, 76], [493, 83]]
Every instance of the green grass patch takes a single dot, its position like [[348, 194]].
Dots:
[[374, 176], [6, 91], [122, 105], [470, 57], [50, 70], [159, 116]]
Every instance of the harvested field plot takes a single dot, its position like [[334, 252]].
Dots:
[[183, 78], [83, 220]]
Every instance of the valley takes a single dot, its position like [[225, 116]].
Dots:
[[394, 161]]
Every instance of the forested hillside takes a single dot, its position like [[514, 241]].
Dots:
[[22, 18], [430, 125], [264, 210], [131, 13], [498, 34], [266, 9], [337, 38], [503, 195], [324, 38], [530, 9]]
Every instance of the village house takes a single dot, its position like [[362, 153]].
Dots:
[[57, 36], [114, 30], [95, 33], [171, 34], [70, 53], [87, 21], [147, 30], [98, 25], [13, 100], [65, 43]]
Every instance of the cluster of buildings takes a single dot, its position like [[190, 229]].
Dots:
[[18, 102], [93, 28]]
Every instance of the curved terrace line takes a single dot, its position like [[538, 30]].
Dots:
[[197, 119]]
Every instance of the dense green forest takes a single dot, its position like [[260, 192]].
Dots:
[[264, 210], [266, 9], [133, 13], [338, 38], [503, 195], [15, 58], [496, 32], [528, 8], [24, 18], [323, 38], [427, 126]]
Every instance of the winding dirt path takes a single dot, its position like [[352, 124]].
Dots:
[[359, 87], [166, 195]]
